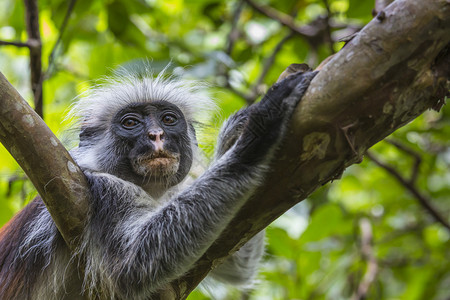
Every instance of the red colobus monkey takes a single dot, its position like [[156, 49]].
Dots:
[[145, 226]]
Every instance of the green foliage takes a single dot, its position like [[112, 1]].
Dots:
[[360, 10], [314, 250]]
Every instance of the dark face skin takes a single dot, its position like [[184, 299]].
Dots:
[[153, 145]]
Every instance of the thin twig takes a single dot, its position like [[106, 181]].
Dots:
[[417, 158], [234, 32], [51, 59], [251, 96], [329, 40], [368, 255], [425, 202], [11, 181], [243, 95], [16, 44], [255, 92], [35, 46], [269, 61], [380, 5], [286, 20], [232, 37]]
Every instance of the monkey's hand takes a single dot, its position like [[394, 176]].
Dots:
[[248, 139], [264, 124], [279, 102]]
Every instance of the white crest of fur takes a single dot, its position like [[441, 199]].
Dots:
[[99, 104]]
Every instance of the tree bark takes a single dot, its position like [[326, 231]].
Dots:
[[57, 178], [35, 45]]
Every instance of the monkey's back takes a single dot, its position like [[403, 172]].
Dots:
[[28, 244]]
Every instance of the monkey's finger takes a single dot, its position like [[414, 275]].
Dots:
[[299, 90], [292, 69]]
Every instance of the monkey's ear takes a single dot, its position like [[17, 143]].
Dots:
[[194, 133], [294, 68], [86, 135]]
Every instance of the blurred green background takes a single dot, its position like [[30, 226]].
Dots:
[[321, 248]]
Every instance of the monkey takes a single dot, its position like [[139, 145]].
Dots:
[[146, 226]]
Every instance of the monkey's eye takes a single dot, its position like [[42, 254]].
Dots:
[[169, 119], [130, 122]]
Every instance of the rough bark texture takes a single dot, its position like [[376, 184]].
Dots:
[[391, 72], [46, 162]]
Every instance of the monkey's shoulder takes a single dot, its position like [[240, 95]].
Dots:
[[106, 187]]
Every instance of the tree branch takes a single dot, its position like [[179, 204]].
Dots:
[[284, 19], [234, 32], [328, 38], [424, 201], [380, 5], [415, 155], [35, 46], [384, 78], [51, 59], [255, 91], [51, 169], [368, 255], [16, 44]]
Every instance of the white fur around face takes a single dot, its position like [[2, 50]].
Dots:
[[97, 107], [99, 104]]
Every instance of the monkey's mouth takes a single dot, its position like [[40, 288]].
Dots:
[[157, 164]]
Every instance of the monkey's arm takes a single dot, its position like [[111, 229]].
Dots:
[[233, 127], [241, 267], [132, 248], [231, 130]]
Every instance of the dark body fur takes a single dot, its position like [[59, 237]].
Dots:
[[145, 227]]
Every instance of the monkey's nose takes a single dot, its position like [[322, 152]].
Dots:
[[157, 137], [156, 134]]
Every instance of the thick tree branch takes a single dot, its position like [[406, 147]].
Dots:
[[47, 163], [391, 72]]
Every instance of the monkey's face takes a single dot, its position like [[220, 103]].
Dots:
[[154, 143]]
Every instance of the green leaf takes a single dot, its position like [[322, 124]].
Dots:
[[326, 221], [118, 18]]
